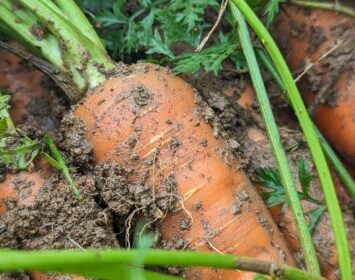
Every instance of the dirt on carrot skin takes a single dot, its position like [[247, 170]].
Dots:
[[105, 217], [321, 80]]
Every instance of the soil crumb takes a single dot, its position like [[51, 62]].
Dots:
[[77, 149]]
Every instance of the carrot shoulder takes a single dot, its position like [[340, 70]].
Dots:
[[173, 139]]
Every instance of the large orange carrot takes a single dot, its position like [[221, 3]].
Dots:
[[317, 36], [173, 137]]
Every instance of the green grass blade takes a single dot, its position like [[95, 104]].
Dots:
[[331, 199], [275, 140]]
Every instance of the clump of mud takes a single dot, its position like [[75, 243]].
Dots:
[[72, 141]]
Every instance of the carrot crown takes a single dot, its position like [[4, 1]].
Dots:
[[59, 33]]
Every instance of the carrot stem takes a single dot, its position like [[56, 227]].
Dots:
[[22, 25], [69, 261], [337, 7], [307, 126], [332, 157], [275, 140], [76, 56], [71, 9]]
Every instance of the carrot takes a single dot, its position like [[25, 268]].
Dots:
[[173, 141], [179, 141], [313, 35]]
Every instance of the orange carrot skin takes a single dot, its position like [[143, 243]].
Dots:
[[293, 28], [42, 276], [35, 178], [159, 111]]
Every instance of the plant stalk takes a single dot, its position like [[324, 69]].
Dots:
[[76, 55], [66, 260], [73, 12], [294, 202]]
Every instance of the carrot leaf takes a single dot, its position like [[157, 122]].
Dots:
[[304, 175], [20, 154], [270, 178], [271, 10], [209, 58], [315, 216], [6, 124]]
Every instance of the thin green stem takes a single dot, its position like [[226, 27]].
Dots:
[[267, 62], [71, 9], [337, 7], [65, 260], [332, 157], [275, 140], [330, 196], [63, 166]]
